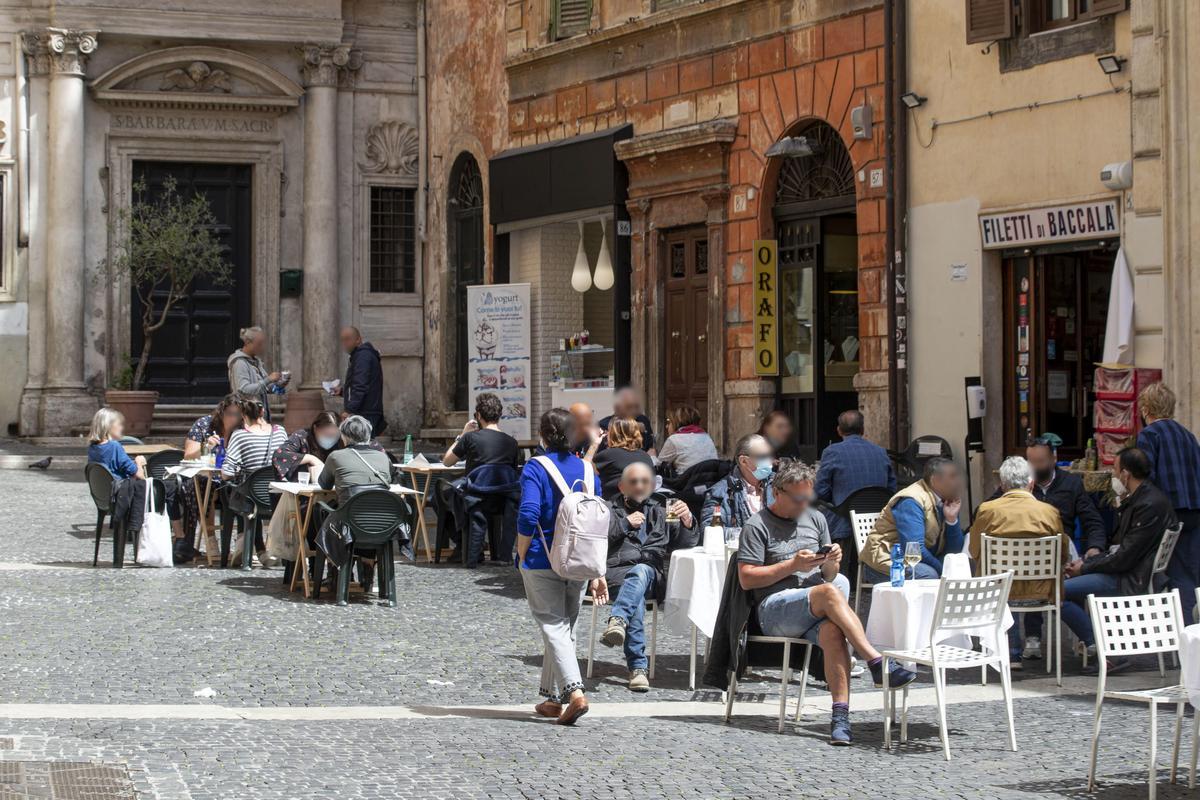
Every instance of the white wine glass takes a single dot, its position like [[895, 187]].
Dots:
[[912, 557]]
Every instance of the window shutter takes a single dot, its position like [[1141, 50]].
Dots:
[[1100, 8], [662, 5], [571, 17], [989, 20]]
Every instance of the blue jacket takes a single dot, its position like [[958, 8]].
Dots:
[[362, 391], [847, 466], [729, 494], [112, 456], [539, 503]]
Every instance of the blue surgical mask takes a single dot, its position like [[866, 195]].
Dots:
[[328, 442], [763, 469]]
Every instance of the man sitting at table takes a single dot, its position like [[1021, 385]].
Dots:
[[1017, 514], [799, 593], [746, 489], [1126, 569], [638, 542], [925, 512]]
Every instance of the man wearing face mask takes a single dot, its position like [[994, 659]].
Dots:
[[925, 512], [744, 492], [638, 541], [1144, 515]]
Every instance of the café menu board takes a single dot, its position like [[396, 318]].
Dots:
[[499, 360]]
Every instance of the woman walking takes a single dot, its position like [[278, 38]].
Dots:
[[553, 601]]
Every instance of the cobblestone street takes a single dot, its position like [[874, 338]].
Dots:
[[197, 683]]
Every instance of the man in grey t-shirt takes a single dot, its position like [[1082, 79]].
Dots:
[[799, 592]]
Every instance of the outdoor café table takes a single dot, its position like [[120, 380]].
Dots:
[[901, 615], [290, 493], [195, 470], [422, 476], [694, 584], [1189, 663], [146, 449]]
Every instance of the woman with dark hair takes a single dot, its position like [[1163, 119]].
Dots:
[[249, 448], [554, 601], [687, 444], [780, 433], [624, 448], [212, 431], [308, 448]]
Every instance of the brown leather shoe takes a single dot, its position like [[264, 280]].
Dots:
[[548, 708], [573, 711]]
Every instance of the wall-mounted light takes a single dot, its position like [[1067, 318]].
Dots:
[[793, 147], [581, 275], [604, 277], [912, 100], [1111, 64]]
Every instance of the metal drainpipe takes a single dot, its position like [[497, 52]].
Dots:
[[896, 203]]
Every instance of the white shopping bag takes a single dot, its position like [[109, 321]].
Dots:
[[282, 541], [154, 548]]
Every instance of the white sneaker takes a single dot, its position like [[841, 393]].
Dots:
[[1033, 648]]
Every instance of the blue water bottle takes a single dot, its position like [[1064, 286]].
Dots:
[[897, 573]]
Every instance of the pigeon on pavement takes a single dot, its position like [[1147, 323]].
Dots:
[[43, 464]]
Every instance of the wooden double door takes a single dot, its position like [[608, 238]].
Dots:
[[686, 291]]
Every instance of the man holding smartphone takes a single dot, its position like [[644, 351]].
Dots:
[[788, 564]]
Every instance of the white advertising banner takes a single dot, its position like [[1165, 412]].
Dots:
[[499, 360], [1100, 219]]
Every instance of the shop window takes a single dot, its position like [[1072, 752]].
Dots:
[[569, 18], [391, 254], [997, 20]]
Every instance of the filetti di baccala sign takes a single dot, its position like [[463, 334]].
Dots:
[[1069, 223]]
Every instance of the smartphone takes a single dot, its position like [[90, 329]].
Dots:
[[824, 549]]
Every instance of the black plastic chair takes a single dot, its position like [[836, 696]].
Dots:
[[158, 463], [250, 501], [100, 484], [692, 484], [375, 518], [910, 463]]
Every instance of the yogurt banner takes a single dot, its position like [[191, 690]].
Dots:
[[499, 359]]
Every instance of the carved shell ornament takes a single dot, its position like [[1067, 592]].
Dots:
[[196, 77], [391, 148]]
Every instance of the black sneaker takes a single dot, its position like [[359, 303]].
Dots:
[[898, 676], [839, 728]]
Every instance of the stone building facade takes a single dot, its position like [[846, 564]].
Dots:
[[301, 124]]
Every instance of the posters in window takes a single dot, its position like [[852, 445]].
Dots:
[[499, 359]]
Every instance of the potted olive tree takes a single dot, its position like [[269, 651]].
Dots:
[[162, 245]]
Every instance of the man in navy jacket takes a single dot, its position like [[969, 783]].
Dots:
[[362, 391], [849, 465]]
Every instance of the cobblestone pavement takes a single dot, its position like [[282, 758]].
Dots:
[[203, 683]]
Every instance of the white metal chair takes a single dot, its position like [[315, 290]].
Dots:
[[1166, 548], [1031, 559], [1128, 626], [787, 644], [863, 524], [651, 606], [968, 606]]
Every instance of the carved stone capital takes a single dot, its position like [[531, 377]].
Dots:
[[69, 50], [329, 64], [36, 47]]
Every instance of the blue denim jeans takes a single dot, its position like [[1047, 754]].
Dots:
[[630, 606], [787, 613], [1074, 607]]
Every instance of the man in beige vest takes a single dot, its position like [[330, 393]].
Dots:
[[924, 512], [1017, 514]]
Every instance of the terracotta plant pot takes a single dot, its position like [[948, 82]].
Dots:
[[137, 408], [302, 409]]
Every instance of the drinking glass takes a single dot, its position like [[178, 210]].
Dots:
[[912, 557], [303, 477]]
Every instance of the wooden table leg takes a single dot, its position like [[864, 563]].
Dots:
[[204, 502], [302, 564], [422, 528]]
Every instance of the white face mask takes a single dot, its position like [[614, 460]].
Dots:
[[1118, 487]]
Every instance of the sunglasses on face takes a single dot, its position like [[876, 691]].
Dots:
[[638, 481], [803, 499]]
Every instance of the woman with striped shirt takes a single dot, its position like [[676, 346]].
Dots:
[[249, 448]]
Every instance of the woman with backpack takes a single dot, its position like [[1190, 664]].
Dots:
[[553, 600]]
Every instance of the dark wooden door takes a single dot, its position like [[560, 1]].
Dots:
[[687, 318], [187, 359], [466, 260]]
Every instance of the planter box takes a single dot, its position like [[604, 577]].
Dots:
[[136, 407]]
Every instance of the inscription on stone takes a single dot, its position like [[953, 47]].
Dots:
[[190, 124]]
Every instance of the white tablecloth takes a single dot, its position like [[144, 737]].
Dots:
[[900, 618], [694, 583], [190, 469], [1189, 662]]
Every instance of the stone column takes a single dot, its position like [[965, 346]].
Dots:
[[716, 203], [323, 67], [37, 71], [66, 406]]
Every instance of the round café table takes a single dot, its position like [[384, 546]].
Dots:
[[695, 580]]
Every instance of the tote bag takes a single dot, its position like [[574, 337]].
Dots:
[[155, 548]]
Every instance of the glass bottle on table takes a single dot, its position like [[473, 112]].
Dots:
[[896, 574]]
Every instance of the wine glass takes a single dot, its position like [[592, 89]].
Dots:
[[912, 557]]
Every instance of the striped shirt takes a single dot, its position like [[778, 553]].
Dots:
[[1174, 461], [248, 450]]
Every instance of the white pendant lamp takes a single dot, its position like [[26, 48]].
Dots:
[[581, 276], [604, 278]]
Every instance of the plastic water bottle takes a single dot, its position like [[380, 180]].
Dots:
[[897, 572], [408, 453]]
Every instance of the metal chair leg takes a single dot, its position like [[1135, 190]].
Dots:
[[904, 715], [1006, 684], [99, 531], [1162, 666], [888, 702], [1096, 738], [1195, 749], [803, 684], [939, 688], [1175, 750], [1153, 750], [783, 686], [653, 636]]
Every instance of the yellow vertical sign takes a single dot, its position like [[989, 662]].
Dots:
[[766, 306]]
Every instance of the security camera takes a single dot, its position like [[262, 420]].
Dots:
[[1117, 176]]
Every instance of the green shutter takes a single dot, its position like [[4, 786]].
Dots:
[[571, 18], [989, 20]]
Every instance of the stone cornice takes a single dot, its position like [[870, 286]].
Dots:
[[717, 131]]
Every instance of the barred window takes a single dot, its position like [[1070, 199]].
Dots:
[[393, 267]]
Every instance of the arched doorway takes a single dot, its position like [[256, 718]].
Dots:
[[816, 227], [466, 256]]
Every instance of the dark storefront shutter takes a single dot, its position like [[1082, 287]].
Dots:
[[1100, 8], [989, 20], [571, 17]]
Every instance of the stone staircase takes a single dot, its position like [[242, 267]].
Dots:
[[173, 421]]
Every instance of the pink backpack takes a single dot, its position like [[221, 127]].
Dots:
[[580, 549]]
